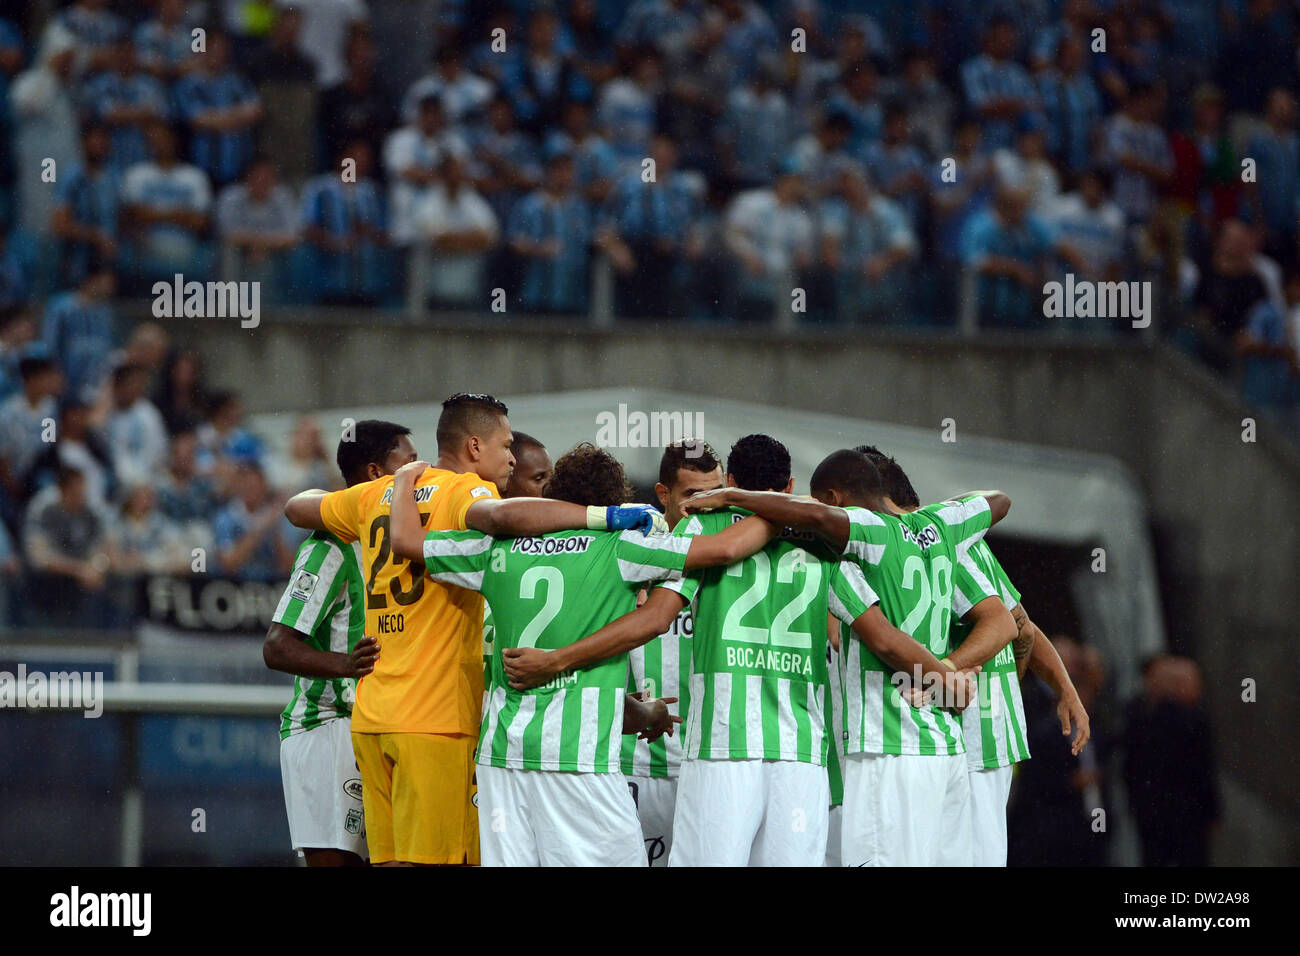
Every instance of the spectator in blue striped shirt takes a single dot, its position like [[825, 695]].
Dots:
[[667, 25], [897, 166], [755, 130], [643, 228], [220, 109], [1075, 19], [1138, 152], [855, 97], [629, 106], [133, 427], [164, 44], [78, 332], [747, 34], [463, 95], [996, 86], [543, 78], [1275, 147], [1007, 247], [257, 222], [505, 160], [86, 216], [821, 155], [929, 104], [595, 163], [551, 230], [93, 28], [24, 417], [125, 100], [867, 243], [1071, 106], [344, 225], [165, 207]]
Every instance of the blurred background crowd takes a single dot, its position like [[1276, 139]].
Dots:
[[153, 473], [882, 157], [897, 160]]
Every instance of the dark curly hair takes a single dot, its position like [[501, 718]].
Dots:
[[693, 454], [759, 463], [587, 475], [897, 485]]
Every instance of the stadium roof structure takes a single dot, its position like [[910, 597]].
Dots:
[[1059, 497]]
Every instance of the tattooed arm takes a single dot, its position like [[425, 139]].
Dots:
[[1023, 643]]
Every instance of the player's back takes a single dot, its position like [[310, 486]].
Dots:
[[995, 728], [758, 655], [904, 561], [547, 592], [429, 676]]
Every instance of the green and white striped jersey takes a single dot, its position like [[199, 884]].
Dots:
[[835, 718], [325, 600], [489, 636], [758, 651], [662, 667], [996, 733], [908, 562], [549, 592]]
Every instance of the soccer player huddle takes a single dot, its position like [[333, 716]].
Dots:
[[499, 660]]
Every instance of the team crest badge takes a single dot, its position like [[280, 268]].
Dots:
[[353, 821], [303, 585]]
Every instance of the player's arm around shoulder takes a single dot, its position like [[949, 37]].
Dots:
[[403, 516], [531, 667], [992, 628], [999, 503], [779, 508], [733, 543], [853, 601], [304, 509], [910, 657], [338, 512], [528, 517]]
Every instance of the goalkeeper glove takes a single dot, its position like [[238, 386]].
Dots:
[[643, 518]]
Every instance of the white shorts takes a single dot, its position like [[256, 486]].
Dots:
[[655, 799], [989, 790], [906, 811], [553, 818], [322, 789], [750, 813], [835, 819]]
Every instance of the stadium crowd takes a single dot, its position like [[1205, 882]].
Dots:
[[794, 143], [153, 472], [868, 159]]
